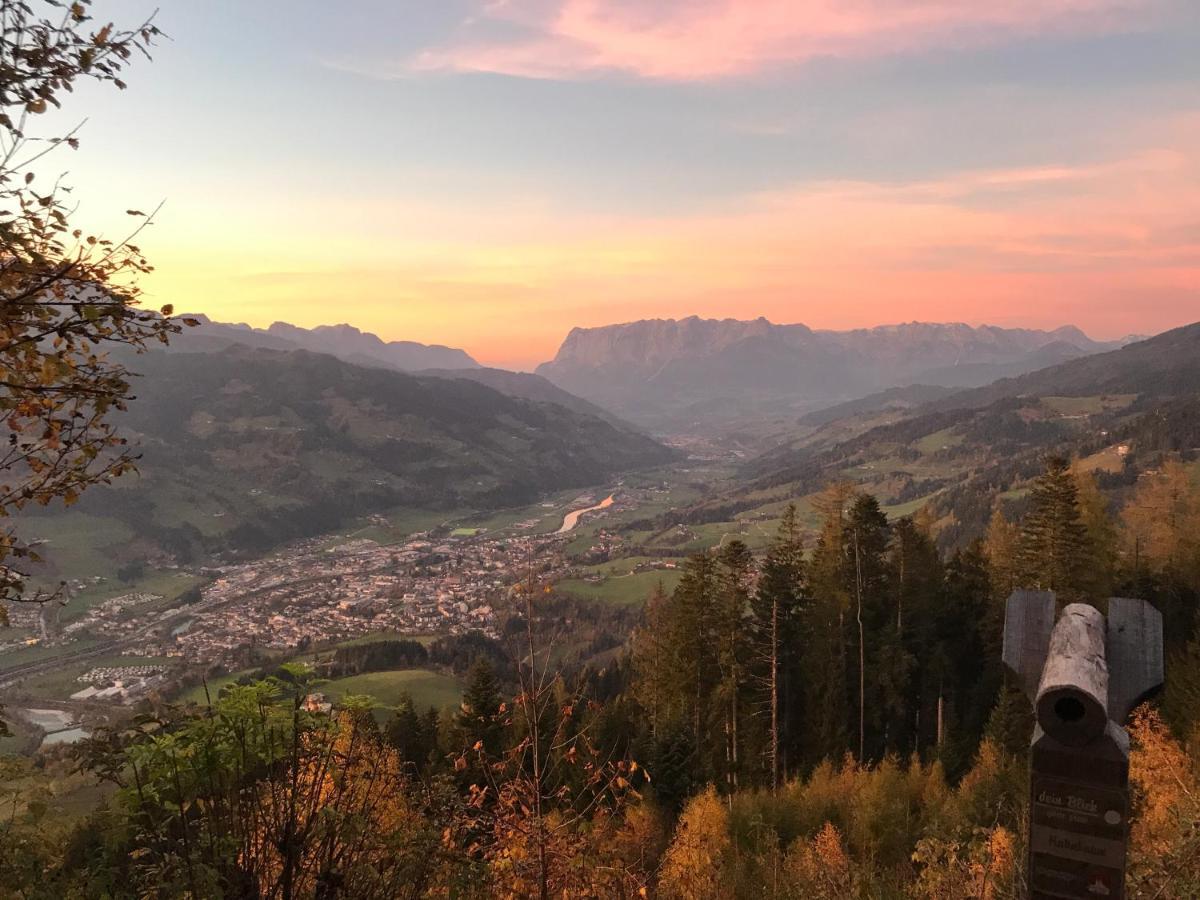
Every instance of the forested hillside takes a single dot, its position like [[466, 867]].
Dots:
[[825, 721], [243, 449], [960, 454]]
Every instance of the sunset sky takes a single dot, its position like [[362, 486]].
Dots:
[[489, 173]]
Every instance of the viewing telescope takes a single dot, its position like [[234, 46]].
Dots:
[[1083, 674]]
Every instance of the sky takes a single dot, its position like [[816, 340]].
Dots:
[[488, 174]]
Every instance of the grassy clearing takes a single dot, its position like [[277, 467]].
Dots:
[[622, 590], [197, 695], [900, 510], [426, 687], [1107, 460], [939, 440], [77, 544], [1088, 406]]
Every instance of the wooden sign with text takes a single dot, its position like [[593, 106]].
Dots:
[[1083, 674]]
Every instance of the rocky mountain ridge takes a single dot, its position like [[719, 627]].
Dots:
[[669, 373]]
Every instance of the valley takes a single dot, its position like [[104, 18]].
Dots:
[[220, 603]]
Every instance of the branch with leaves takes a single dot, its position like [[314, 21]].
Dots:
[[66, 297]]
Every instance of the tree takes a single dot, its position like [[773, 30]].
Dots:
[[1052, 554], [1101, 541], [549, 805], [257, 797], [866, 545], [414, 736], [480, 715], [826, 696], [651, 646], [733, 599], [64, 296], [774, 615], [693, 868], [1001, 546], [1162, 520]]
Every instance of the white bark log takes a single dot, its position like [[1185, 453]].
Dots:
[[1072, 697]]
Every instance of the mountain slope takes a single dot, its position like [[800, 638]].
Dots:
[[672, 373], [245, 448], [343, 341], [1117, 413], [1167, 365], [528, 386]]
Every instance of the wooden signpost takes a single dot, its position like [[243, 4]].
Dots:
[[1083, 674]]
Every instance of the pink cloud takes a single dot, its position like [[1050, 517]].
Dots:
[[705, 39]]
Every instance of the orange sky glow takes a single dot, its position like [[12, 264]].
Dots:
[[488, 174]]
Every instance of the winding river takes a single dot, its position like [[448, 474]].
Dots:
[[572, 518]]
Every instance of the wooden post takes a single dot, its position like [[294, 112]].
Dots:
[[1083, 676]]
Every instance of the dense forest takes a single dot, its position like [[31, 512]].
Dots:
[[823, 721]]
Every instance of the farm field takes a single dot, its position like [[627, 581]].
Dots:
[[426, 687]]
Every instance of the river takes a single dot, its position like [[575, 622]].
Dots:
[[572, 518]]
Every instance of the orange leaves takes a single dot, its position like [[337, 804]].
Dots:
[[692, 867]]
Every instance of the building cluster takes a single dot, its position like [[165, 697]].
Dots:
[[121, 684], [316, 592], [312, 593]]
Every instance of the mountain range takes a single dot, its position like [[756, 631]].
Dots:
[[668, 373], [343, 341]]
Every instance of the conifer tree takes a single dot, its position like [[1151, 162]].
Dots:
[[736, 569], [651, 659], [414, 736], [866, 566], [479, 716], [1052, 553], [826, 696]]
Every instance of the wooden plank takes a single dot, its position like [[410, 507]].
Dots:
[[1135, 655], [1028, 624], [1072, 697]]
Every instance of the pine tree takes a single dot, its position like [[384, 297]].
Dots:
[[866, 547], [651, 660], [915, 589], [826, 696], [1010, 725], [479, 717], [414, 736], [1052, 553], [736, 570]]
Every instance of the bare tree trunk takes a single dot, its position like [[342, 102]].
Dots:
[[774, 695], [862, 655], [733, 725], [941, 721]]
